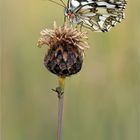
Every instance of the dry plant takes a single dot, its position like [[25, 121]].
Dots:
[[64, 57]]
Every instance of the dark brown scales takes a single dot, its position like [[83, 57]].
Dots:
[[63, 60]]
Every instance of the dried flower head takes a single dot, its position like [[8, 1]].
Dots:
[[66, 49]]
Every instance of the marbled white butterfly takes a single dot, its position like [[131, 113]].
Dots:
[[97, 15]]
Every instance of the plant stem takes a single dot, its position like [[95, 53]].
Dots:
[[60, 114], [60, 92]]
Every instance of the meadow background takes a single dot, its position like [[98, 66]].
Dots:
[[101, 102]]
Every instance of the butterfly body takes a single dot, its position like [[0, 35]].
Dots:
[[97, 15]]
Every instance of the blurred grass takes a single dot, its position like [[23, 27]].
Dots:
[[101, 102]]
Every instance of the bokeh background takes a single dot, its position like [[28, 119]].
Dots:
[[101, 102]]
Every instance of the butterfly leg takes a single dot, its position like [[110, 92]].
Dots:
[[76, 26], [81, 25], [64, 19]]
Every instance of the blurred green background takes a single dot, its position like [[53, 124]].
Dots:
[[101, 102]]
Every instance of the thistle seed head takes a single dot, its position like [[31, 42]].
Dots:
[[66, 49]]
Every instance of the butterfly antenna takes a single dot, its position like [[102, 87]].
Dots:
[[63, 3], [57, 3]]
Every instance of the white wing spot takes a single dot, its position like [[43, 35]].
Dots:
[[83, 3], [75, 3], [106, 4], [87, 7], [101, 22]]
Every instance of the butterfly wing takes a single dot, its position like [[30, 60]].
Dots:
[[98, 15]]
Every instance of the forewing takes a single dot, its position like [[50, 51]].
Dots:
[[99, 15]]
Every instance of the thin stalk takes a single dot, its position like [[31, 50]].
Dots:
[[60, 92], [60, 114]]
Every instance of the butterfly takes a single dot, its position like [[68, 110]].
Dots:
[[97, 15]]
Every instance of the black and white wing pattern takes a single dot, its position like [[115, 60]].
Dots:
[[97, 15]]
